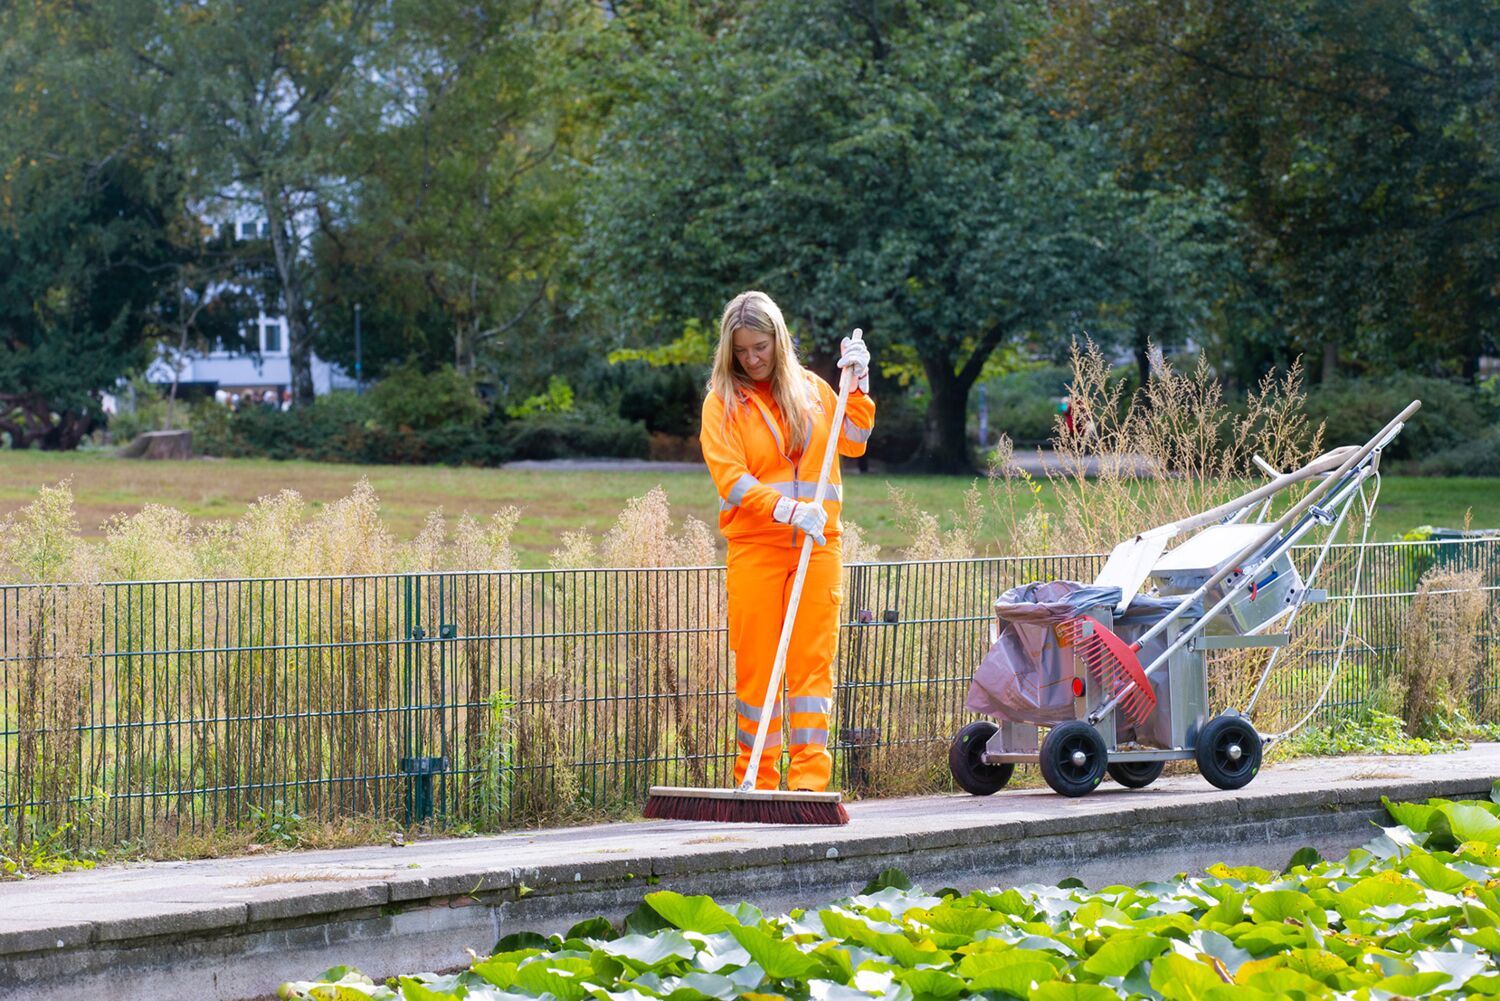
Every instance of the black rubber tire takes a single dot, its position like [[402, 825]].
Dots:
[[1215, 751], [1062, 773], [972, 775], [1136, 774]]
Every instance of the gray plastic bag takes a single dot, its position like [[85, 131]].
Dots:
[[1144, 612], [1026, 677]]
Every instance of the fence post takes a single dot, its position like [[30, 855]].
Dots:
[[418, 768]]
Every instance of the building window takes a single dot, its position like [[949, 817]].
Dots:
[[247, 231], [270, 339]]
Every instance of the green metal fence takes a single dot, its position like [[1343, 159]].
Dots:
[[157, 709]]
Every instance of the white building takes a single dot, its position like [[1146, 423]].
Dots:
[[266, 365]]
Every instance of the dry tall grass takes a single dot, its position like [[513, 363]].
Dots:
[[1440, 658], [1174, 448]]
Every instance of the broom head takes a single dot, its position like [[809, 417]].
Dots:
[[730, 806], [1114, 666]]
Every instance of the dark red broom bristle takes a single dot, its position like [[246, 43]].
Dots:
[[724, 810]]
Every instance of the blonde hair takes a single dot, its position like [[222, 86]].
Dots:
[[789, 387]]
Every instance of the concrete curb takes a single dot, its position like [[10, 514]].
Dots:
[[236, 928]]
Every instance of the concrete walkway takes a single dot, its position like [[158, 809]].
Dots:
[[236, 928]]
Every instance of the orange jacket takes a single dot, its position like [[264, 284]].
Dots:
[[752, 470]]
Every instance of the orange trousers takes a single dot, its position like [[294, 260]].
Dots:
[[760, 583]]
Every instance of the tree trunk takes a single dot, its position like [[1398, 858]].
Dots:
[[945, 442], [1330, 362], [289, 271]]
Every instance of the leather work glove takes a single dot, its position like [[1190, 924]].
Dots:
[[855, 355], [810, 518]]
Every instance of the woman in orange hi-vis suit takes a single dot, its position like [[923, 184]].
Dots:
[[766, 423]]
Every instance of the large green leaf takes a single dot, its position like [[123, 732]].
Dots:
[[1414, 985], [1178, 978], [597, 928], [1286, 983], [781, 960], [497, 972], [885, 879], [935, 985], [562, 976], [1018, 979], [1470, 822], [1279, 905], [1008, 902], [1382, 890], [1012, 971], [414, 990], [649, 952], [1416, 816], [1324, 967], [699, 914], [1457, 966], [1123, 952], [1305, 857], [1055, 991], [960, 921], [1435, 874], [519, 940]]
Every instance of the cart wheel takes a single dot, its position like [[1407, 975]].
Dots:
[[1073, 758], [1228, 751], [1136, 774], [971, 774]]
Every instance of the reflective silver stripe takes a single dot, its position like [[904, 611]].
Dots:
[[724, 505], [810, 704], [808, 735], [855, 433], [740, 488], [773, 738], [752, 713], [802, 490]]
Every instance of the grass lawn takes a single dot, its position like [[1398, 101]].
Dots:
[[554, 502]]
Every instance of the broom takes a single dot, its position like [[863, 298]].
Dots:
[[745, 803]]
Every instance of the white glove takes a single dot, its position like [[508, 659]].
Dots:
[[810, 518], [855, 355]]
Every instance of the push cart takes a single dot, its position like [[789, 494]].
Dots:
[[1089, 680]]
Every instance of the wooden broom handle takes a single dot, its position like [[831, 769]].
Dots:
[[779, 665]]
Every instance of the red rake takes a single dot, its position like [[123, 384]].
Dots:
[[1114, 665]]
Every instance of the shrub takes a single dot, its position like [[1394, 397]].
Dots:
[[584, 432], [899, 426], [1353, 410], [421, 401], [213, 428], [667, 400], [1480, 457], [144, 409], [1023, 405]]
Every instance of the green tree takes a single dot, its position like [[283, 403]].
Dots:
[[878, 164], [82, 202], [255, 104], [71, 312], [1359, 141], [467, 200]]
